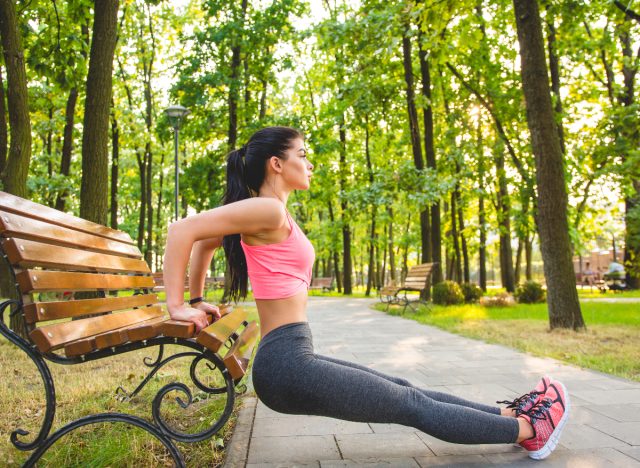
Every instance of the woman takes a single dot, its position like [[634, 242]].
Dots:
[[263, 242]]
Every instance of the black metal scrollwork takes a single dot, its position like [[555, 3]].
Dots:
[[45, 373]]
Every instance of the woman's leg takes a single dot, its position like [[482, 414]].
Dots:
[[438, 396], [323, 388]]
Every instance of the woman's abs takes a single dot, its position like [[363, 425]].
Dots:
[[277, 312]]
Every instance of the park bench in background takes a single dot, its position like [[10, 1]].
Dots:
[[417, 281], [322, 283], [50, 252]]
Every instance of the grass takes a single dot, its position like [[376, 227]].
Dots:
[[611, 343], [89, 388]]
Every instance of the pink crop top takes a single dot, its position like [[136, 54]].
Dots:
[[283, 269]]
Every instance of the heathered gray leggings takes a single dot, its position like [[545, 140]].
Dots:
[[289, 378]]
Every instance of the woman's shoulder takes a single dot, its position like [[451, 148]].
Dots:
[[269, 212]]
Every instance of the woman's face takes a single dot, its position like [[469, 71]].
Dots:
[[296, 168]]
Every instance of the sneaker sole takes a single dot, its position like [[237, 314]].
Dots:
[[552, 443]]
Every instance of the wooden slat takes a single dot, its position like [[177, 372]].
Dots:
[[180, 329], [216, 334], [146, 330], [114, 337], [51, 337], [39, 311], [238, 357], [13, 225], [42, 280], [27, 254], [30, 209]]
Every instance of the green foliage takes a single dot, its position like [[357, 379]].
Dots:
[[447, 293], [472, 292], [530, 292]]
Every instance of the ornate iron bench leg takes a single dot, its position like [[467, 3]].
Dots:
[[45, 373]]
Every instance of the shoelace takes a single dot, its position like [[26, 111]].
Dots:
[[520, 401], [540, 412]]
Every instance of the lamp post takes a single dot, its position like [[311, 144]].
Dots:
[[175, 115]]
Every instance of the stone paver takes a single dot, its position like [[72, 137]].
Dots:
[[603, 430]]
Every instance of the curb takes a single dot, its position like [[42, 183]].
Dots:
[[238, 448]]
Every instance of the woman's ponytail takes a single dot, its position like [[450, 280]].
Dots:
[[246, 168]]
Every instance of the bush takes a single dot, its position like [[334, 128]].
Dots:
[[472, 292], [447, 293], [530, 293], [503, 299]]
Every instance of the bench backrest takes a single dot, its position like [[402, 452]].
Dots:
[[52, 252], [322, 282], [418, 276]]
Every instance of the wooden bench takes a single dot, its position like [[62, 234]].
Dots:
[[322, 283], [114, 311], [418, 280]]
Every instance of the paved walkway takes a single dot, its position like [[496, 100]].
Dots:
[[603, 430]]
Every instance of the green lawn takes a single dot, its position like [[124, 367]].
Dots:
[[610, 344]]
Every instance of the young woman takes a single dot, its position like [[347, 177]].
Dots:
[[262, 242]]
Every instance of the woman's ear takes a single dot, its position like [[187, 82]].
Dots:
[[276, 164]]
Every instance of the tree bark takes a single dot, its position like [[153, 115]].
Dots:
[[94, 192], [336, 261], [67, 145], [433, 238], [554, 69], [392, 257], [346, 228], [234, 87], [414, 129], [14, 176], [553, 226], [115, 161], [3, 125]]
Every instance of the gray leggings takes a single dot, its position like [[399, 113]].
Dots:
[[289, 378]]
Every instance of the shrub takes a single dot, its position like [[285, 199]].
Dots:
[[530, 292], [447, 293], [503, 299], [472, 292]]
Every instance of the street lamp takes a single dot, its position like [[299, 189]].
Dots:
[[175, 115]]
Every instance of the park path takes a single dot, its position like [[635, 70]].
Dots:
[[603, 429]]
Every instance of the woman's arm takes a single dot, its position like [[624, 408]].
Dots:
[[251, 216], [201, 256]]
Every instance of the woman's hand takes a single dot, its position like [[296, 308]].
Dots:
[[188, 314], [209, 309]]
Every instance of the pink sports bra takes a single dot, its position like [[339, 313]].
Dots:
[[283, 269]]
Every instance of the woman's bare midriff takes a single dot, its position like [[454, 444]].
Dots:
[[277, 312]]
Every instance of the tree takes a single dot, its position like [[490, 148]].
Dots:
[[553, 226], [94, 192], [14, 176]]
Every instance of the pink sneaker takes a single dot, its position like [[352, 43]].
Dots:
[[528, 400], [547, 418]]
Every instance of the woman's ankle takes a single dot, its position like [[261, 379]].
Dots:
[[508, 412], [526, 430]]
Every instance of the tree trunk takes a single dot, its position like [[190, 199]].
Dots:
[[528, 254], [14, 176], [234, 86], [392, 258], [463, 242], [553, 226], [414, 129], [433, 239], [3, 125], [67, 144], [336, 260], [482, 223], [94, 193], [374, 206], [504, 224], [346, 228], [115, 161], [554, 68]]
